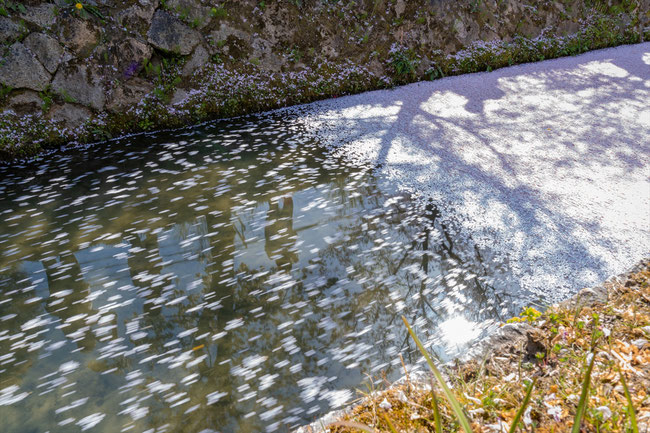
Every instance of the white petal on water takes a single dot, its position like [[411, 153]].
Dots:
[[235, 323], [270, 414], [90, 421], [68, 367], [72, 405], [338, 398], [34, 323], [254, 361], [8, 395], [66, 421], [215, 396]]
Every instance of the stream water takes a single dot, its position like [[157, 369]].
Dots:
[[234, 277]]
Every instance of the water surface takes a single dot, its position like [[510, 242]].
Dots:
[[234, 277]]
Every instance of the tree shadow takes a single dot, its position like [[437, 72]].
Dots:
[[527, 145]]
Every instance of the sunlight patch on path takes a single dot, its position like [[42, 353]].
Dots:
[[549, 162]]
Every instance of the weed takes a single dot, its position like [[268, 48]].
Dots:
[[7, 6], [67, 97], [218, 12], [584, 396], [145, 124], [4, 91], [85, 10], [295, 55], [458, 410], [630, 406], [436, 410], [47, 96], [403, 63], [520, 412], [588, 374], [529, 314]]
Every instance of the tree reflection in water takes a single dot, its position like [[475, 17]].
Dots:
[[244, 281], [279, 235]]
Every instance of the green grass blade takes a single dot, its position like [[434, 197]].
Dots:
[[630, 405], [520, 412], [584, 397], [436, 411], [390, 424], [455, 405]]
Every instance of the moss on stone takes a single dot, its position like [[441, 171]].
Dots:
[[239, 87]]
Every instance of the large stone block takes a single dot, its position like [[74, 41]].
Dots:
[[198, 59], [72, 115], [24, 102], [9, 30], [80, 36], [21, 70], [169, 34], [81, 84], [47, 50], [196, 13], [132, 55], [137, 17], [43, 15], [128, 94]]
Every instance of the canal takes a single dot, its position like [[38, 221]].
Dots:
[[233, 277]]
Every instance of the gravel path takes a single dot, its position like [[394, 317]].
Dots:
[[547, 162]]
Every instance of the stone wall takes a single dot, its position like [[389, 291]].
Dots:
[[96, 69]]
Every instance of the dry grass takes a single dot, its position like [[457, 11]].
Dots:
[[492, 390]]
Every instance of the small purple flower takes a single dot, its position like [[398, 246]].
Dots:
[[132, 69]]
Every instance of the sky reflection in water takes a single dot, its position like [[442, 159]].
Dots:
[[234, 278]]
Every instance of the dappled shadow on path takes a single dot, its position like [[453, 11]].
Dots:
[[549, 159]]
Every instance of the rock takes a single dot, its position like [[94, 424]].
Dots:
[[591, 296], [179, 97], [133, 53], [169, 34], [508, 336], [128, 94], [71, 115], [262, 49], [197, 15], [567, 28], [25, 102], [250, 47], [137, 17], [21, 70], [466, 32], [507, 339], [225, 31], [47, 50], [9, 30], [42, 15], [199, 58], [81, 84], [400, 7], [80, 36]]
